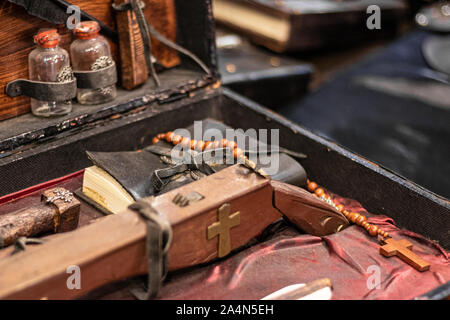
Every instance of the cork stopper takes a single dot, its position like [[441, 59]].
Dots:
[[47, 38], [86, 30]]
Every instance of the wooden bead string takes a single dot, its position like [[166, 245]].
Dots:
[[200, 145], [354, 217]]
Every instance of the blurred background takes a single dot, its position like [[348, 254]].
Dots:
[[371, 75]]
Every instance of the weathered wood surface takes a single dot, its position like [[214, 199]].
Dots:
[[17, 29], [59, 216], [308, 212], [134, 71], [113, 248]]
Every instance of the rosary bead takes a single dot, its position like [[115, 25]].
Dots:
[[200, 145], [223, 143], [169, 136], [360, 220], [193, 144], [208, 145], [176, 139], [186, 143], [155, 140], [161, 136], [319, 192], [373, 230], [353, 216], [312, 186], [232, 145], [237, 153]]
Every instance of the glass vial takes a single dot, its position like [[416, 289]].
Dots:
[[91, 51], [49, 63]]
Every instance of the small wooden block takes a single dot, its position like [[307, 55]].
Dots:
[[402, 249], [68, 209]]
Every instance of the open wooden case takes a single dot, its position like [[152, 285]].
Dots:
[[35, 151]]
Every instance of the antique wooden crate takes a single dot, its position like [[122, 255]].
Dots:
[[34, 151]]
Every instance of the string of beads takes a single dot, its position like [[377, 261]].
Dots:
[[200, 145], [354, 217]]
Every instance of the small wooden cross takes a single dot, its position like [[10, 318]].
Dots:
[[222, 228], [401, 249]]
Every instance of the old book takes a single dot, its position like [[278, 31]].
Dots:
[[103, 189], [304, 24], [117, 179]]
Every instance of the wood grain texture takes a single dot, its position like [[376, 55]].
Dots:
[[17, 29], [307, 211], [114, 247], [59, 216], [134, 70]]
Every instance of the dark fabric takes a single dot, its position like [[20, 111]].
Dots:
[[364, 110]]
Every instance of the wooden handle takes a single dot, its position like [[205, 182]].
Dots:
[[134, 71], [59, 216], [26, 223], [309, 213]]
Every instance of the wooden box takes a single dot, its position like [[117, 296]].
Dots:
[[34, 151]]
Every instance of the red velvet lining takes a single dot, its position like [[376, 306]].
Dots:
[[47, 184]]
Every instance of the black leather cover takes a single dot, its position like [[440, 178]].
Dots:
[[133, 170]]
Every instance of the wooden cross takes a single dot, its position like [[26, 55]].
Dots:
[[401, 249], [222, 228]]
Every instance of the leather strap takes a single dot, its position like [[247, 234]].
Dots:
[[195, 163], [98, 78], [159, 239], [147, 29], [43, 91], [126, 6], [143, 27]]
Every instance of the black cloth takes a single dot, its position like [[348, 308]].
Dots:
[[407, 134]]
